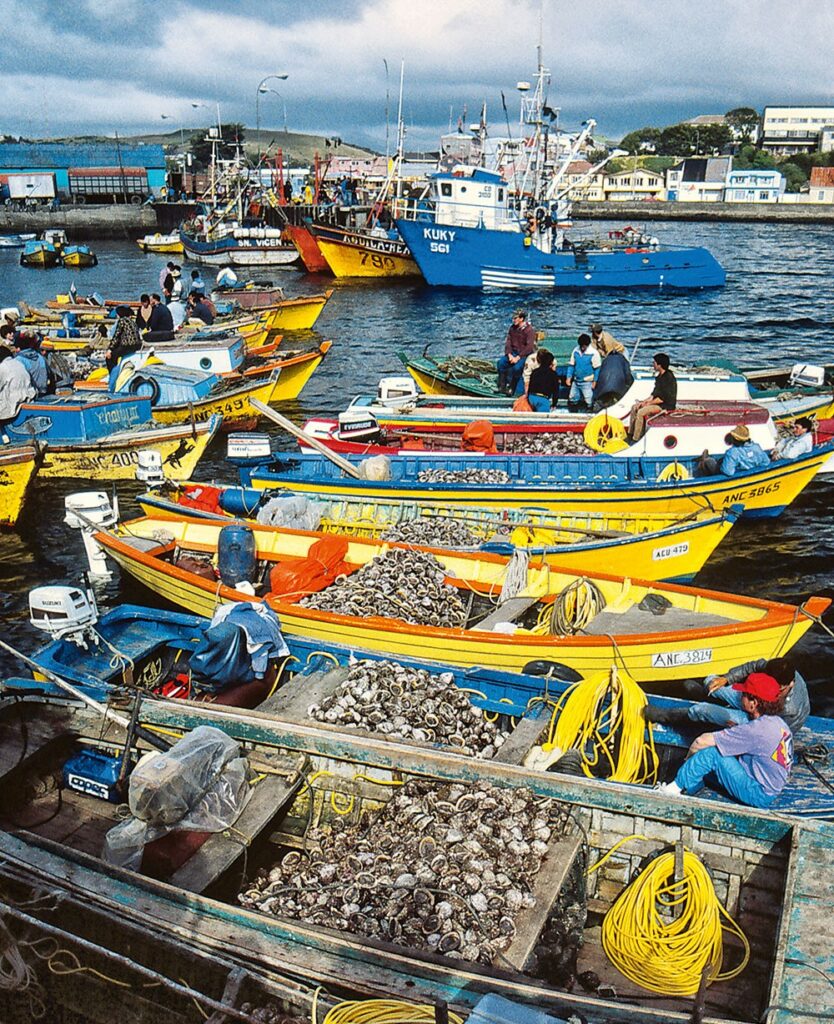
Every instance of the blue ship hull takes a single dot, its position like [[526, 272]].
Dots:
[[464, 257]]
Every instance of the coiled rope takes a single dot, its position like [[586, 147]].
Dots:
[[662, 934], [383, 1011], [602, 718]]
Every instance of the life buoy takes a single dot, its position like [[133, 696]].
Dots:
[[144, 387], [674, 471], [605, 433]]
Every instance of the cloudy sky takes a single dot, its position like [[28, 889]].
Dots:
[[106, 65]]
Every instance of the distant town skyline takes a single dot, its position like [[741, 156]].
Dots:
[[99, 66]]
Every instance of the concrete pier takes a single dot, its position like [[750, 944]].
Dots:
[[768, 213], [82, 222]]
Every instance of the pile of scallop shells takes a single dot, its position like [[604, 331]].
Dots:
[[411, 705], [400, 584], [471, 475], [433, 531], [442, 867], [566, 443]]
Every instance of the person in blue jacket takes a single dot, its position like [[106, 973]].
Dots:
[[28, 353], [583, 370], [743, 455]]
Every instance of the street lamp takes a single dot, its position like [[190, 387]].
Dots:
[[262, 89]]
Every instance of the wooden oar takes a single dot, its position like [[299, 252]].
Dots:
[[102, 709], [313, 442]]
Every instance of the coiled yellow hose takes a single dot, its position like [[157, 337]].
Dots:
[[602, 718], [383, 1011], [662, 934]]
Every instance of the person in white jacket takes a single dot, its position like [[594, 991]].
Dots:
[[15, 387]]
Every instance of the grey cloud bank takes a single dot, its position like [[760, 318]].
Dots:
[[96, 66]]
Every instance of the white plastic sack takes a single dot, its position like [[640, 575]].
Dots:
[[200, 784], [378, 467], [296, 513]]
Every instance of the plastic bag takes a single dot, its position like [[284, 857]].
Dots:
[[522, 405], [200, 784], [295, 577], [378, 467], [296, 513]]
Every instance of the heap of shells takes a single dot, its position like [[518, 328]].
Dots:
[[471, 475], [562, 443], [433, 531], [400, 584], [411, 705], [442, 867]]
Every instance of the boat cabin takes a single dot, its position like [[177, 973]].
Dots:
[[473, 197]]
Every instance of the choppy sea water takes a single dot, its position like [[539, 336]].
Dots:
[[776, 308]]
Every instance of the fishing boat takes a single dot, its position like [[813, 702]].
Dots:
[[652, 546], [248, 295], [696, 627], [554, 484], [156, 646], [228, 243], [797, 391], [304, 241], [688, 430], [363, 252], [18, 466], [40, 253], [767, 871], [78, 256], [478, 229], [15, 241], [158, 242], [101, 437]]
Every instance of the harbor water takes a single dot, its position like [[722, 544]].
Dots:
[[776, 309]]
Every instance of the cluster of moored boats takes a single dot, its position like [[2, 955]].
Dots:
[[390, 753]]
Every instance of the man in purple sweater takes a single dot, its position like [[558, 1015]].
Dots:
[[750, 762]]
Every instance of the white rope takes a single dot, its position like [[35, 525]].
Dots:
[[515, 578]]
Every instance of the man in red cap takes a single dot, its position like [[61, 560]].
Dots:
[[751, 762]]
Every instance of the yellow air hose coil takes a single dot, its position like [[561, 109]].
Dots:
[[663, 934], [602, 718], [604, 433], [674, 471], [383, 1011]]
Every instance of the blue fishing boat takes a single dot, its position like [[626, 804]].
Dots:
[[78, 256], [480, 229], [40, 253], [554, 483]]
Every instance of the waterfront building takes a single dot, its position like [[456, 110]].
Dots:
[[821, 185], [796, 129], [698, 179], [754, 186], [634, 185], [94, 172]]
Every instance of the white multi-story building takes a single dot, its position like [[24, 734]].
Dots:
[[754, 186], [628, 186], [698, 179], [795, 129]]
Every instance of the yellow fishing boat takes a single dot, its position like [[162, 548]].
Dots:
[[160, 243], [357, 253], [551, 483], [655, 547], [18, 466], [654, 631], [294, 372], [298, 314], [116, 457], [229, 399]]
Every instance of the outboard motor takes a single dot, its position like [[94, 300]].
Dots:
[[64, 613], [86, 511], [357, 424], [396, 391]]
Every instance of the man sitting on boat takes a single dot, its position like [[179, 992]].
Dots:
[[519, 344], [604, 342], [227, 278], [125, 341], [743, 455], [543, 390], [15, 388], [161, 323], [664, 397], [800, 443], [613, 381], [749, 762], [583, 369], [29, 354], [197, 309], [725, 706]]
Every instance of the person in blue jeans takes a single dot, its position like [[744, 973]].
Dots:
[[543, 389], [750, 762], [583, 370], [518, 345], [723, 706]]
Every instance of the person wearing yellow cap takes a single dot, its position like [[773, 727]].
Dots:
[[743, 455], [750, 762]]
